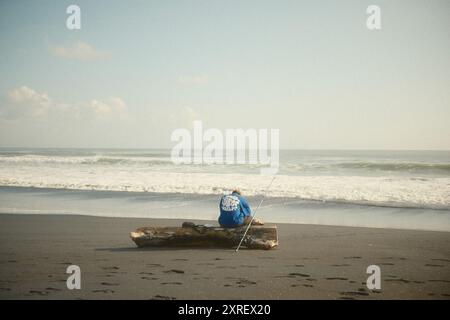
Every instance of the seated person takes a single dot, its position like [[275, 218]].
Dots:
[[235, 211]]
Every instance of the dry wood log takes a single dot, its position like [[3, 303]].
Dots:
[[192, 235]]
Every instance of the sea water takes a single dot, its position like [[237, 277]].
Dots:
[[396, 189]]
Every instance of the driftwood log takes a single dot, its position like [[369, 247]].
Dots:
[[192, 235]]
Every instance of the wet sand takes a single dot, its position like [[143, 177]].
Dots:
[[311, 262]]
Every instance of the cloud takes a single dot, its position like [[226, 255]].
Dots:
[[113, 106], [24, 102], [78, 51], [193, 79]]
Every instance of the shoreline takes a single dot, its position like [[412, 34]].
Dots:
[[206, 221], [215, 195], [28, 200], [312, 262]]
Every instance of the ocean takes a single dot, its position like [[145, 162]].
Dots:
[[394, 189]]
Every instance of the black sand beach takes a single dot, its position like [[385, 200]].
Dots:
[[311, 262]]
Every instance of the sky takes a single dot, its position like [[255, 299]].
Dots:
[[137, 70]]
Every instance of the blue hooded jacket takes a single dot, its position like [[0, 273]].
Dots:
[[233, 210]]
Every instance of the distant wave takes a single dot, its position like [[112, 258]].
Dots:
[[148, 159], [396, 166], [85, 160], [371, 166], [414, 182]]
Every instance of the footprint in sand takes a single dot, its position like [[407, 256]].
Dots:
[[375, 291], [308, 285], [174, 271], [398, 280], [245, 281], [149, 278], [354, 293], [160, 297], [38, 292], [110, 268], [109, 284], [404, 280], [103, 291], [52, 289], [297, 274], [443, 260], [115, 272], [248, 266]]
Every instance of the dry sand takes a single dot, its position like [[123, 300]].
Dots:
[[311, 262]]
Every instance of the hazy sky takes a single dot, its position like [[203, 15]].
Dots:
[[139, 69]]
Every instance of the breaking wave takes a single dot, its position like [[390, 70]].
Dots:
[[370, 180]]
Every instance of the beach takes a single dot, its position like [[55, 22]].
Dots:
[[337, 212], [311, 262], [329, 123]]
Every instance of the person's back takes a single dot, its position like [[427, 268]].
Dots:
[[234, 210]]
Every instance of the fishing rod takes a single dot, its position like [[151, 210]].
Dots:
[[254, 214]]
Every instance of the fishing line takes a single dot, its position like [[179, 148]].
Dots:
[[254, 215]]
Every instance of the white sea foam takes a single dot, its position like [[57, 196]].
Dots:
[[89, 159], [401, 179], [380, 191]]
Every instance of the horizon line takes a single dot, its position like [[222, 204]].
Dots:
[[169, 148]]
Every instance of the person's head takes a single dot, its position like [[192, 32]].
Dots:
[[237, 190]]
